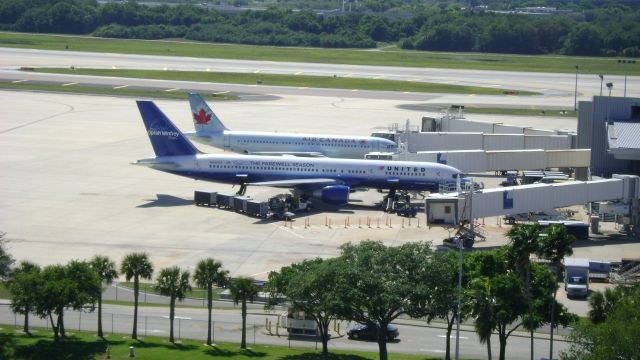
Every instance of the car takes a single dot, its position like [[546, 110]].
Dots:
[[363, 331]]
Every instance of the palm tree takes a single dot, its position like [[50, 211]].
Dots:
[[243, 289], [209, 273], [482, 308], [524, 242], [136, 266], [106, 270], [23, 286], [554, 245], [603, 303], [174, 284]]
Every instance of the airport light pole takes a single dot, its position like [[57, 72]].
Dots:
[[609, 86], [624, 63], [575, 93], [601, 79], [459, 301]]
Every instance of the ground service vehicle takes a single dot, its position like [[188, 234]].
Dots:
[[576, 277]]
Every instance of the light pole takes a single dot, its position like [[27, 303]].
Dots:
[[624, 62], [601, 79], [609, 86], [575, 93], [459, 301]]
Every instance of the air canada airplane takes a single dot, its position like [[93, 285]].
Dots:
[[211, 131], [325, 178]]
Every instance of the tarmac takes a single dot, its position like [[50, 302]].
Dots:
[[68, 191]]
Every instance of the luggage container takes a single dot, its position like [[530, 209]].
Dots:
[[224, 200], [240, 203], [257, 208], [205, 198]]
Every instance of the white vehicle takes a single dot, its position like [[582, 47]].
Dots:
[[576, 277], [211, 131]]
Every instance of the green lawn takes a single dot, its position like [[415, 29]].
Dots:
[[85, 345], [194, 293], [386, 57], [181, 95], [288, 80]]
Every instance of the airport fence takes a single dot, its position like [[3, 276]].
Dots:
[[261, 328]]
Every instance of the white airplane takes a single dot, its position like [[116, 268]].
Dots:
[[326, 178], [211, 131]]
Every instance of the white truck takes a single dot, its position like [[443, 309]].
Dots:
[[297, 323], [576, 277]]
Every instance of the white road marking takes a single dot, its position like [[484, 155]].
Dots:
[[257, 71], [170, 90], [219, 93], [71, 83], [289, 231], [19, 81], [178, 317], [120, 87], [453, 336], [298, 73]]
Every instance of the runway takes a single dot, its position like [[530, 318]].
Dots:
[[558, 89]]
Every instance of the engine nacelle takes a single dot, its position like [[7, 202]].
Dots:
[[333, 194]]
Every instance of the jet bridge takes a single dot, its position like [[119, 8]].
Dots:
[[452, 208]]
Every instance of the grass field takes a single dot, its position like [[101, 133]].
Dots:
[[85, 345], [139, 93], [387, 57], [288, 80]]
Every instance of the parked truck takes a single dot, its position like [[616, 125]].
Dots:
[[297, 323], [576, 277]]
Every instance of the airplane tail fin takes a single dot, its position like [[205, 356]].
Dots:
[[204, 118], [165, 137]]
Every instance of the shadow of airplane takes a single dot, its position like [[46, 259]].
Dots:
[[166, 201]]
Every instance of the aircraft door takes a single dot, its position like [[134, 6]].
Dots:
[[227, 142]]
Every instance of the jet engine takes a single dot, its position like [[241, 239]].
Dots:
[[333, 194]]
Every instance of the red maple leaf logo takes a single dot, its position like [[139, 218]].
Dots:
[[201, 117]]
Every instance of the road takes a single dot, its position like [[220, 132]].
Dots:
[[415, 337]]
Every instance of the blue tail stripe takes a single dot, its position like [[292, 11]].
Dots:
[[165, 137]]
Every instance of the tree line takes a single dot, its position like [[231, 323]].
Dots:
[[500, 290], [610, 30]]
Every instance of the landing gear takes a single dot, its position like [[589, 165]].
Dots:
[[243, 189]]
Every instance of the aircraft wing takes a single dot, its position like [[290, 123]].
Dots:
[[289, 153], [296, 182]]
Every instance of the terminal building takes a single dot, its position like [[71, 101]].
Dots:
[[604, 154], [610, 127]]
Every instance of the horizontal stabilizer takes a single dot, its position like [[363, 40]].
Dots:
[[152, 163]]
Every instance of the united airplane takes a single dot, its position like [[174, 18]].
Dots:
[[211, 131], [328, 179]]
